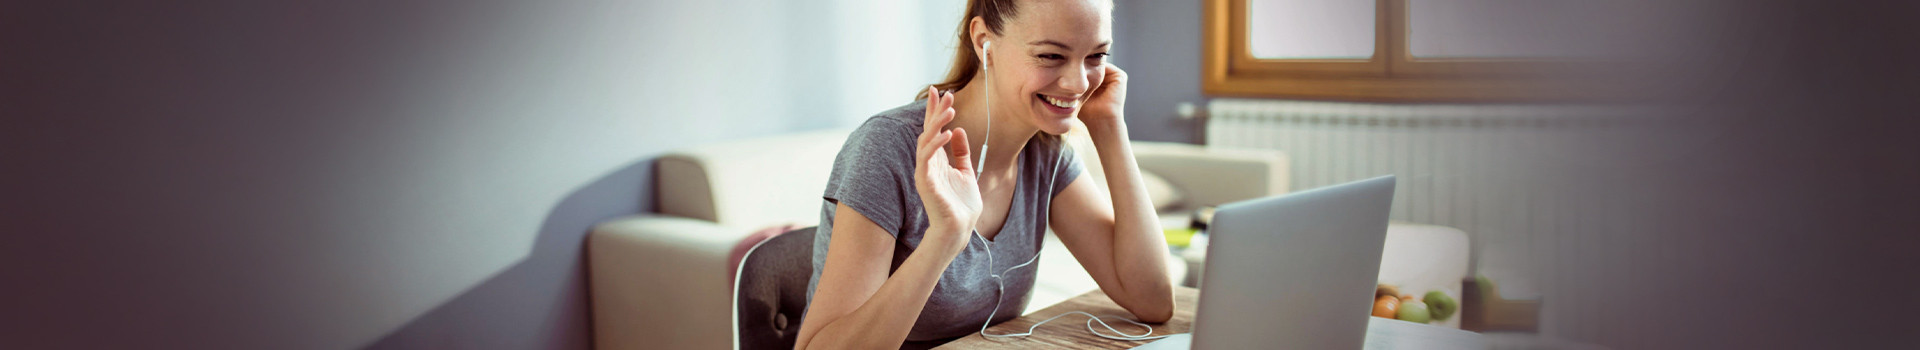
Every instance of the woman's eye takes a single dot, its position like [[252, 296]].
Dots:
[[1052, 57], [1097, 58]]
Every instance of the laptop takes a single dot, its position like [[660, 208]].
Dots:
[[1291, 272]]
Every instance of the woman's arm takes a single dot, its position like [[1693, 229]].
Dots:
[[1116, 238], [1125, 253], [856, 305]]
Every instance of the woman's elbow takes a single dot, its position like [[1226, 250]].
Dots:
[[1156, 316], [1156, 310]]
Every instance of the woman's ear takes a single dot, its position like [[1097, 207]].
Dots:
[[977, 30]]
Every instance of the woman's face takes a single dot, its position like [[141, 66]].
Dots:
[[1049, 58]]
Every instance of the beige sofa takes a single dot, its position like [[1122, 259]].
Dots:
[[659, 280]]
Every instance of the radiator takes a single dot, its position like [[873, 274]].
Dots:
[[1520, 179]]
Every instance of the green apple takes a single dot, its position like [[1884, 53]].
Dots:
[[1414, 311], [1443, 305]]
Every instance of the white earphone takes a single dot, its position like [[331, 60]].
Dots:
[[986, 45]]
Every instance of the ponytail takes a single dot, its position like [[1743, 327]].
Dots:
[[966, 60]]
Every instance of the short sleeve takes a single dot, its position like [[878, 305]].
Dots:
[[873, 174], [1069, 167]]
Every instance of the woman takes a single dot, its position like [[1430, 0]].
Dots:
[[913, 231]]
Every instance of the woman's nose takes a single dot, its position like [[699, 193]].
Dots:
[[1075, 79]]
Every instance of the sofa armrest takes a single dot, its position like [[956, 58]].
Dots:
[[1214, 176], [661, 282]]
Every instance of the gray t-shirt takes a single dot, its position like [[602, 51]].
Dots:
[[873, 175]]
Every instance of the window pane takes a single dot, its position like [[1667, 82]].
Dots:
[[1518, 28], [1298, 29]]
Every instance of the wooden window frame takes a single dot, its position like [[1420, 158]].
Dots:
[[1392, 74]]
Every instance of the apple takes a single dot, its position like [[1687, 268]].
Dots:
[[1443, 306], [1414, 311]]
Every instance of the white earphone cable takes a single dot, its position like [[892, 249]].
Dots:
[[1000, 281]]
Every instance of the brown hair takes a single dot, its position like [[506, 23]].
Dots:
[[966, 61]]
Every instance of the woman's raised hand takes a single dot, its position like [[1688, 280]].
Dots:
[[1109, 99], [944, 174]]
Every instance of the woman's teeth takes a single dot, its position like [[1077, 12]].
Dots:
[[1058, 103]]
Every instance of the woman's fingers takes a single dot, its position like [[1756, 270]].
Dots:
[[935, 160], [959, 150], [930, 127], [927, 127], [938, 148], [1111, 77], [939, 112]]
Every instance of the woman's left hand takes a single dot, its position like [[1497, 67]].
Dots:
[[1108, 100]]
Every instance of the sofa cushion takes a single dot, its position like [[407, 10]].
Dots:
[[752, 183], [1163, 194]]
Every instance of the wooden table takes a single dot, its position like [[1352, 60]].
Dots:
[[1070, 332]]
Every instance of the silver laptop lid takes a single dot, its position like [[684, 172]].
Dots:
[[1294, 271]]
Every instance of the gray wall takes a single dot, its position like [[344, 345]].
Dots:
[[392, 174], [413, 173], [1158, 44]]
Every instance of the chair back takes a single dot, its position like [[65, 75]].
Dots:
[[770, 297]]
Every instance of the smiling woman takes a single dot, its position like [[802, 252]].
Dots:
[[895, 260]]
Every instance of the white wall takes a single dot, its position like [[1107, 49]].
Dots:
[[322, 174]]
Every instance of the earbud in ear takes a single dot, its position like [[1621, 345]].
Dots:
[[985, 46]]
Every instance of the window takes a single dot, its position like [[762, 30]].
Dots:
[[1406, 50]]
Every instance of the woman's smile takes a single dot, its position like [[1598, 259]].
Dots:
[[1058, 105]]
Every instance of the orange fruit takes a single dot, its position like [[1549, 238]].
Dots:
[[1386, 306]]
